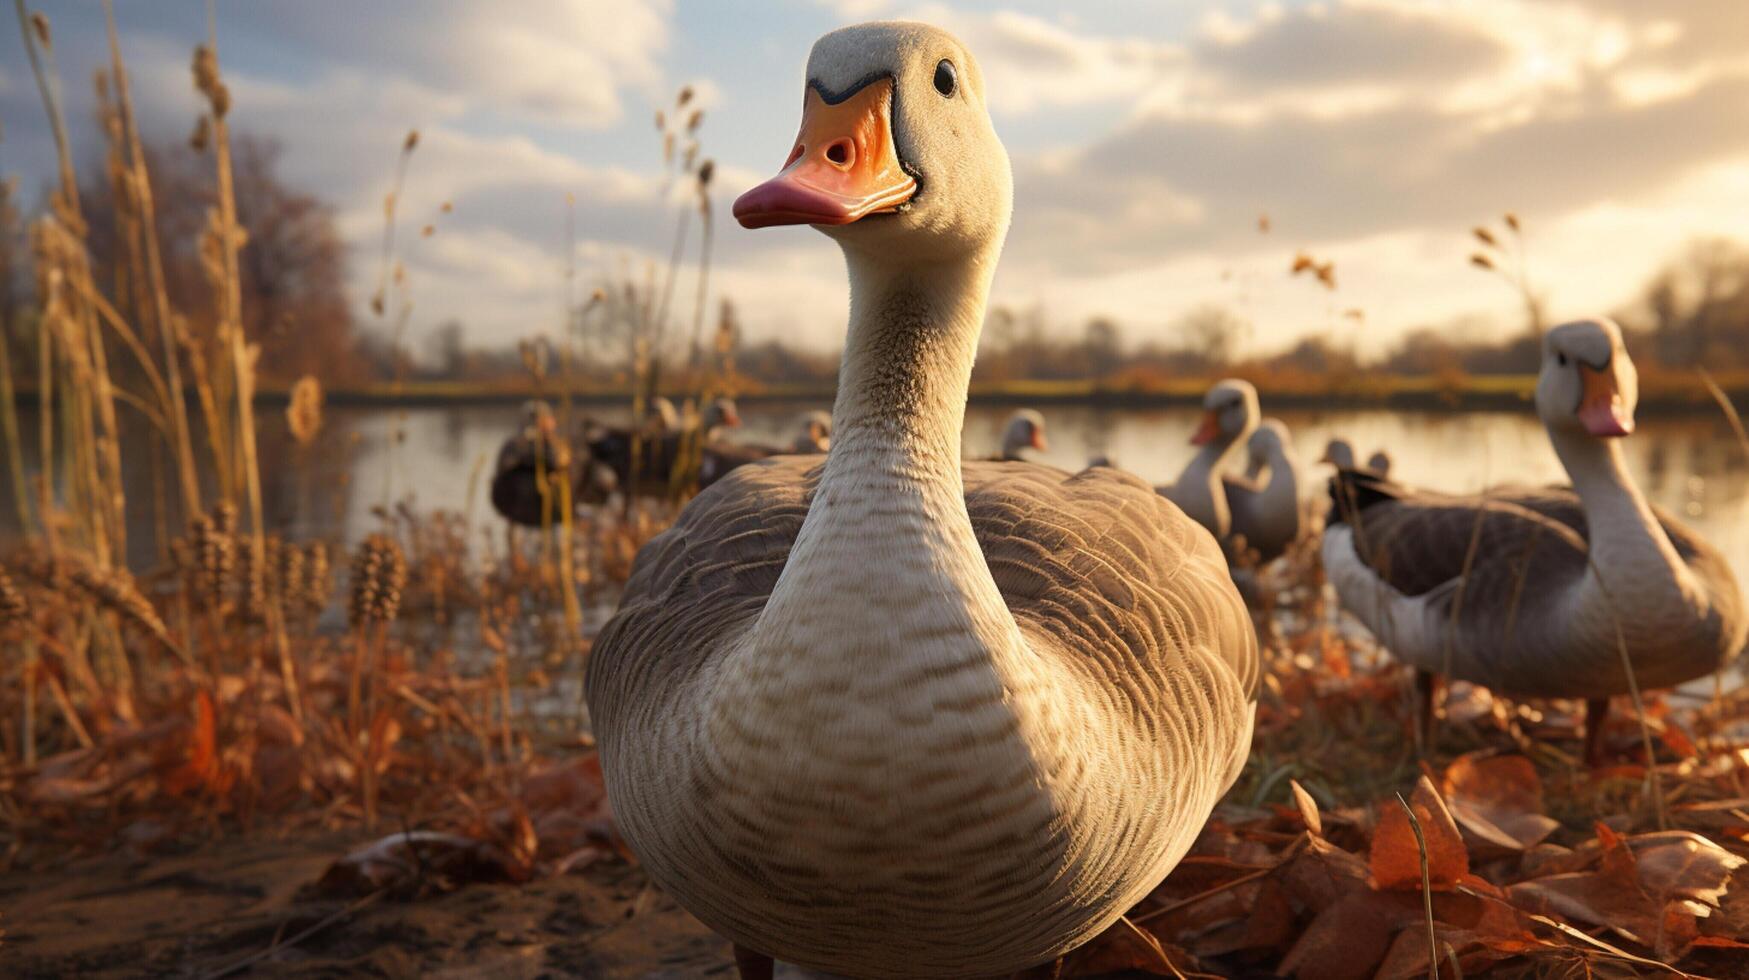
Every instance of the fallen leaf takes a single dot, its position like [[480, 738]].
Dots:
[[1395, 860], [1308, 808], [410, 865], [1652, 890], [1497, 800]]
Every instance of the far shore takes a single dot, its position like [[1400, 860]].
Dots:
[[1665, 392]]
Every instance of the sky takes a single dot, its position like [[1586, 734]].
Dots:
[[1147, 139]]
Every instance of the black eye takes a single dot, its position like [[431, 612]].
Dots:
[[946, 78], [1561, 358]]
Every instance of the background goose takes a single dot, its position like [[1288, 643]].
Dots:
[[1340, 454], [720, 457], [1024, 431], [1556, 572], [890, 713], [1228, 419], [1265, 506], [816, 434], [524, 460], [612, 447]]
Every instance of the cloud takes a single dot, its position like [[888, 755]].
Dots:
[[563, 62]]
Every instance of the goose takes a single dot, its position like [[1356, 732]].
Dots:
[[1553, 572], [1024, 431], [1265, 506], [1228, 419], [661, 445], [816, 434], [720, 457], [895, 713], [1340, 454], [524, 459]]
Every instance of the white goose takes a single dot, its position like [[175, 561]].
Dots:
[[1229, 416], [895, 714], [1555, 572], [1025, 430], [1265, 505]]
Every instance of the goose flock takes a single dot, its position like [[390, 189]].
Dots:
[[877, 708]]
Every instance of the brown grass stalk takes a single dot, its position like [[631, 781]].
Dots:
[[148, 234]]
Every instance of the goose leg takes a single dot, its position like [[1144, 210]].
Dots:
[[1426, 686], [1596, 716], [751, 965]]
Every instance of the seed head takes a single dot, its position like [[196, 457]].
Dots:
[[379, 573], [304, 414]]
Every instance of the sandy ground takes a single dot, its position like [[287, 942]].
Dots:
[[220, 906]]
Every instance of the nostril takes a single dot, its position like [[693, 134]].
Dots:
[[794, 155], [840, 152]]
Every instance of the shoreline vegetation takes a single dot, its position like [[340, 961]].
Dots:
[[1663, 393]]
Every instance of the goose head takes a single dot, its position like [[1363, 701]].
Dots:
[[1268, 446], [896, 155], [816, 433], [1025, 430], [719, 413], [1338, 453], [1229, 413], [1588, 383], [1380, 463]]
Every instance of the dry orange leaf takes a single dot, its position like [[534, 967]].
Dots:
[[1497, 800], [1395, 861]]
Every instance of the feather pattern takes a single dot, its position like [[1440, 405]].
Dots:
[[913, 853]]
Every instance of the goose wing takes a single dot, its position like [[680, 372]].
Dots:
[[1494, 556], [1096, 562]]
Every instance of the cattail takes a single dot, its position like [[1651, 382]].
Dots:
[[1484, 236], [1512, 221], [214, 555], [693, 121], [411, 141], [1302, 262], [39, 22], [206, 69], [318, 580], [288, 570], [706, 171], [1481, 261], [446, 207], [252, 580], [304, 415], [202, 133], [684, 97], [115, 588], [13, 608], [379, 573]]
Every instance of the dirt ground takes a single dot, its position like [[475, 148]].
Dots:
[[220, 908]]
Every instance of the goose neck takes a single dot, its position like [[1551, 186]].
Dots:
[[1629, 550]]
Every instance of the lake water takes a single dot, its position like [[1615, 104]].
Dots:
[[1690, 464]]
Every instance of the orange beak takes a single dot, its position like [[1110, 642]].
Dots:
[[731, 417], [1038, 440], [843, 166], [1601, 410], [1205, 433]]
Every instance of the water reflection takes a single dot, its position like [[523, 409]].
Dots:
[[441, 458]]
